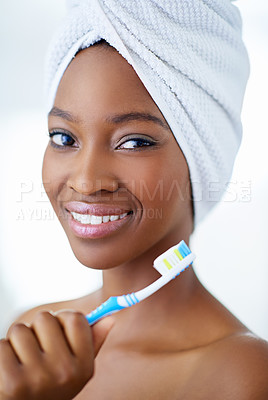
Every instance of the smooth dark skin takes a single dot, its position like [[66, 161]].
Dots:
[[181, 343]]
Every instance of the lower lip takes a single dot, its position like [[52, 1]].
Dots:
[[96, 231]]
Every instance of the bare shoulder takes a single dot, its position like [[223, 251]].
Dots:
[[235, 368], [83, 304]]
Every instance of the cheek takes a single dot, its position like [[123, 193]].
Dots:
[[163, 189], [53, 177], [46, 174]]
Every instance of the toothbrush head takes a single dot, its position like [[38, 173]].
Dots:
[[170, 258]]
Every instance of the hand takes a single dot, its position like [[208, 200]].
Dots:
[[53, 358]]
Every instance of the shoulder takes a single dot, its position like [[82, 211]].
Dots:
[[236, 368], [83, 304]]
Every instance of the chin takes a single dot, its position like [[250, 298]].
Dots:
[[97, 256]]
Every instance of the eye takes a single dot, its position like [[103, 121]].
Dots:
[[60, 139], [135, 143]]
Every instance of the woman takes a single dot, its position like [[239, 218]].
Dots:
[[139, 129]]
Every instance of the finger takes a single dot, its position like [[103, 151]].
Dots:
[[77, 332], [9, 362], [49, 332], [100, 331], [24, 343]]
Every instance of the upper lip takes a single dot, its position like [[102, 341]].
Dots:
[[95, 209]]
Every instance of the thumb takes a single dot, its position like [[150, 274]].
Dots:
[[99, 332]]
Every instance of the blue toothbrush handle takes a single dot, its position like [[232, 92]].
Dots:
[[107, 308]]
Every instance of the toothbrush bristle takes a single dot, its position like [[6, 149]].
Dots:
[[167, 264], [178, 254], [184, 249], [171, 258]]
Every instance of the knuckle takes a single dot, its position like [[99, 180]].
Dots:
[[41, 317], [76, 318], [3, 343], [17, 329], [73, 318], [4, 346]]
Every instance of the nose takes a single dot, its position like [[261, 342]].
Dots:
[[91, 172]]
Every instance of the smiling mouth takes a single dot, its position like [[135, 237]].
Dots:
[[89, 219]]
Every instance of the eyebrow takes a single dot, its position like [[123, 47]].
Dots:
[[136, 116], [57, 112], [114, 119]]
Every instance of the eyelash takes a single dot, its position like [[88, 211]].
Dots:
[[146, 142]]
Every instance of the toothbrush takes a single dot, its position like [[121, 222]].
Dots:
[[169, 264]]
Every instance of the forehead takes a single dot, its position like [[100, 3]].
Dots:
[[100, 80]]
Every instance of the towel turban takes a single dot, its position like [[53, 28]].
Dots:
[[190, 56]]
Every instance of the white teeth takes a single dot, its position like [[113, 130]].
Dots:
[[114, 217], [96, 219], [86, 219], [106, 218], [83, 218]]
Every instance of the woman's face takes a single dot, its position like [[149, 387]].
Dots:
[[113, 164]]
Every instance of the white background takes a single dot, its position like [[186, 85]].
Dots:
[[36, 262]]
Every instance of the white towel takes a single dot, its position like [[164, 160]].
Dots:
[[190, 56]]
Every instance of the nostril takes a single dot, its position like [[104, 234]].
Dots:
[[92, 186]]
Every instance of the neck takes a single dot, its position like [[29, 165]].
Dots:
[[163, 306], [138, 272]]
